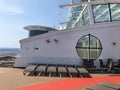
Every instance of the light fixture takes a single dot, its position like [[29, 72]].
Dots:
[[115, 44], [48, 41], [56, 40]]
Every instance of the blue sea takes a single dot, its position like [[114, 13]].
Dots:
[[9, 51]]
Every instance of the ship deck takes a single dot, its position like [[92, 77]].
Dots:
[[13, 78]]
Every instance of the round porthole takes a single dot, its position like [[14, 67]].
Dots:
[[89, 47]]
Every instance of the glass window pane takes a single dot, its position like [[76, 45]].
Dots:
[[86, 17], [79, 14], [83, 42], [101, 13], [79, 23], [78, 1], [83, 53], [95, 43], [74, 14], [115, 11], [76, 8], [83, 18], [94, 53]]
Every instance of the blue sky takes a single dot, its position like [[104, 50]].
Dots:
[[15, 14]]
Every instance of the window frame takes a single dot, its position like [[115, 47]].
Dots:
[[89, 48]]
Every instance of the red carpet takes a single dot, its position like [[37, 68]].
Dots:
[[72, 83]]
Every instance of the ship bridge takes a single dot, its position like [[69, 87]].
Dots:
[[87, 12]]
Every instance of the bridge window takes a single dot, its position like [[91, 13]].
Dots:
[[106, 12]]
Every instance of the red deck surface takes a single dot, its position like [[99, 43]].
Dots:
[[72, 83]]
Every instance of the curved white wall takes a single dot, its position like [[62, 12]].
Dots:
[[64, 49]]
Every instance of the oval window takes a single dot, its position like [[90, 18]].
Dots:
[[89, 47]]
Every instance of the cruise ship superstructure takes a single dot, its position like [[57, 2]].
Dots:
[[92, 32]]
